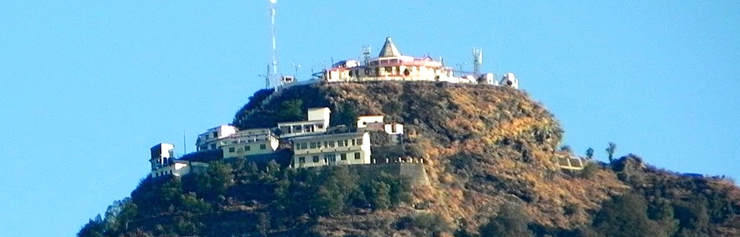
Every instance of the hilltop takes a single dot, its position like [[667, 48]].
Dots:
[[490, 156]]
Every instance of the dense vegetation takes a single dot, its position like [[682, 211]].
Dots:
[[490, 154], [237, 198]]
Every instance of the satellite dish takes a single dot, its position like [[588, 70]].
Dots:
[[273, 1]]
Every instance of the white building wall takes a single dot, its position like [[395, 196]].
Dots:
[[255, 147], [331, 150], [510, 81], [324, 114], [394, 128], [178, 168], [362, 121], [207, 140]]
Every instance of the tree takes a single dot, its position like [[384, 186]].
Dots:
[[93, 228], [566, 148], [263, 223], [590, 153], [347, 115], [511, 221], [214, 182], [290, 110], [378, 193], [119, 215], [625, 215], [610, 151]]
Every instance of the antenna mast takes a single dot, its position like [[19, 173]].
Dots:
[[274, 72], [477, 61], [366, 50]]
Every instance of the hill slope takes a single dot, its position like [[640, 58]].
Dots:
[[486, 149]]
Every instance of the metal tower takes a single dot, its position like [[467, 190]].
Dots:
[[366, 50], [273, 75]]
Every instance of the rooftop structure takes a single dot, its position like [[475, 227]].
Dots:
[[375, 123], [318, 122], [209, 139], [164, 163]]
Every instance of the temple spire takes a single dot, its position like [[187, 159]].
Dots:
[[389, 49]]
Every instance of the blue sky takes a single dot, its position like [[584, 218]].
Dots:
[[87, 87]]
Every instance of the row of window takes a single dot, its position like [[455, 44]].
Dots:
[[162, 173], [328, 144], [330, 158], [390, 71], [247, 148], [248, 140], [214, 135]]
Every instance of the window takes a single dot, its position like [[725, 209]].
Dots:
[[342, 142], [315, 159], [301, 160], [343, 156], [354, 142], [215, 134], [247, 148], [332, 144], [232, 149], [359, 141], [330, 158], [388, 70], [357, 155], [297, 128], [312, 145], [263, 146], [321, 125], [304, 146]]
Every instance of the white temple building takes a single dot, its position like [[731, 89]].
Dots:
[[391, 65]]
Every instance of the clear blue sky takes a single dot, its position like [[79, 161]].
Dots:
[[87, 87]]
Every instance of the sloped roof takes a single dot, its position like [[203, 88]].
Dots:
[[389, 49]]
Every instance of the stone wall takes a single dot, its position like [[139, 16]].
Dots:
[[413, 171]]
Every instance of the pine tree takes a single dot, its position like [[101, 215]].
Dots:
[[610, 151]]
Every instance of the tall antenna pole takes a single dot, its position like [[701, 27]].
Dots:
[[267, 77], [184, 143], [366, 50], [273, 74], [477, 61]]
